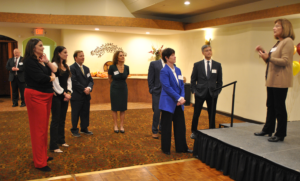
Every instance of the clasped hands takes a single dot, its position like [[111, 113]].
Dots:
[[263, 54], [87, 91], [181, 101], [67, 96], [14, 69]]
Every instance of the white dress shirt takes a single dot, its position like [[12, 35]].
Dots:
[[17, 63], [210, 65], [163, 63], [175, 75]]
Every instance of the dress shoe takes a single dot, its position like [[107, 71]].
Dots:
[[187, 151], [23, 105], [275, 139], [49, 159], [193, 136], [167, 152], [65, 145], [44, 169], [155, 136], [116, 130], [86, 132], [122, 131], [14, 105], [76, 134], [56, 151], [262, 134]]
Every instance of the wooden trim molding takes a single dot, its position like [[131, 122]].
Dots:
[[267, 13], [146, 23], [90, 20]]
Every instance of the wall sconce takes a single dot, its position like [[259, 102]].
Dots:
[[207, 42]]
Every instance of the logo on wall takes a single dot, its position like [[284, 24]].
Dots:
[[107, 47]]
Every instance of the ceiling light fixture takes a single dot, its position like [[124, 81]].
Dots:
[[147, 33], [187, 2], [97, 29]]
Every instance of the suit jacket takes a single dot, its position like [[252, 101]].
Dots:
[[154, 76], [280, 71], [171, 90], [201, 85], [10, 64], [80, 82]]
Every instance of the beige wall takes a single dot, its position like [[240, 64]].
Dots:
[[20, 34]]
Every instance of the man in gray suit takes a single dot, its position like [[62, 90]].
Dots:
[[155, 90], [16, 77], [206, 76]]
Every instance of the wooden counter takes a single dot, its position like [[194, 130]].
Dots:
[[138, 90]]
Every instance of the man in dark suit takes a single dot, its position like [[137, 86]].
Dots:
[[206, 76], [16, 76], [82, 84], [155, 90]]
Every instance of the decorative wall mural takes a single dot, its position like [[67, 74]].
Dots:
[[107, 47]]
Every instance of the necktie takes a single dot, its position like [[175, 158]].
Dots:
[[208, 70], [16, 64], [82, 70]]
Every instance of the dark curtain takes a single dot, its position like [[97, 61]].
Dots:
[[4, 83], [4, 56], [239, 164]]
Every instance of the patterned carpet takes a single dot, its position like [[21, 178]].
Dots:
[[104, 150]]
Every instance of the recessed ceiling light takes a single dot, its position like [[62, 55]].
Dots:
[[147, 32], [187, 2], [97, 29]]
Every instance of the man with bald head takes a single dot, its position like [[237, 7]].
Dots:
[[16, 76]]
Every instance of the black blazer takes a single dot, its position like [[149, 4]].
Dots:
[[154, 77], [80, 82], [201, 85], [10, 64]]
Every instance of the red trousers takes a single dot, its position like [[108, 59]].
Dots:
[[38, 109]]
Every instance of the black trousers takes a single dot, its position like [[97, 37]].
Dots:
[[156, 114], [179, 130], [15, 85], [276, 110], [198, 108], [57, 127], [80, 108]]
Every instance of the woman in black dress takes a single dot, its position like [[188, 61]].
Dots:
[[117, 75], [62, 86]]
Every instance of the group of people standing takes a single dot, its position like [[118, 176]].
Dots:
[[166, 86], [168, 97], [51, 85]]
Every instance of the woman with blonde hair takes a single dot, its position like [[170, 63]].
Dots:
[[279, 77]]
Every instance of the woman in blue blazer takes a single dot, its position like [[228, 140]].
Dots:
[[171, 104]]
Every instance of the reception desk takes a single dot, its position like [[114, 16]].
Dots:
[[138, 90]]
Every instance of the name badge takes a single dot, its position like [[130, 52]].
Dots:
[[180, 77], [214, 71], [273, 49], [20, 63], [88, 75], [116, 72]]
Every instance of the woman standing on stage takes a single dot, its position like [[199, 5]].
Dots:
[[39, 74], [171, 105], [279, 77], [62, 86], [117, 75]]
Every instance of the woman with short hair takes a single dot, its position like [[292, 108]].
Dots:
[[172, 105]]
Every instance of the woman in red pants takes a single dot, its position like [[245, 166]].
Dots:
[[39, 74]]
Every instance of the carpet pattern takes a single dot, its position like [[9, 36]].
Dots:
[[103, 150]]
